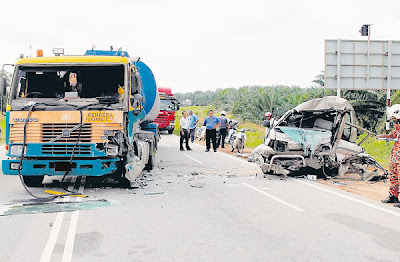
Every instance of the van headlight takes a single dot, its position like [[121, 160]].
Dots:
[[16, 150]]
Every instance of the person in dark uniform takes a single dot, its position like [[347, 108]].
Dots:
[[223, 129], [211, 123]]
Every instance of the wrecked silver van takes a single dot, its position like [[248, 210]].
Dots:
[[317, 137]]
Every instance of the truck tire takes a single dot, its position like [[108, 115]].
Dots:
[[170, 131], [150, 164], [33, 181]]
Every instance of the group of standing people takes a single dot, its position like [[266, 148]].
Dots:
[[188, 124]]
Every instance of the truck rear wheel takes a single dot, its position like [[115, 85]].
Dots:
[[170, 132], [33, 181]]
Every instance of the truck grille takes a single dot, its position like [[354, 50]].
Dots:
[[66, 149], [52, 131], [45, 132]]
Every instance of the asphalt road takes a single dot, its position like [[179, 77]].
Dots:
[[202, 206]]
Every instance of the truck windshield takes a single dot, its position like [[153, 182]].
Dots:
[[167, 105], [68, 82]]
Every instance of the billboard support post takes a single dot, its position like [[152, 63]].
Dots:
[[388, 84]]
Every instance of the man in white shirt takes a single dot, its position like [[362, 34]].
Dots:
[[184, 131]]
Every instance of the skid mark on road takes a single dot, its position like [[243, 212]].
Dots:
[[55, 230], [274, 198], [383, 209], [194, 159]]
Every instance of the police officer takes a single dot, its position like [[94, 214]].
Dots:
[[211, 123]]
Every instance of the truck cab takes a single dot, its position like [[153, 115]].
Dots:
[[168, 106], [80, 115]]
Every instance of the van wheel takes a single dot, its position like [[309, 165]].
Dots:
[[170, 132], [33, 181]]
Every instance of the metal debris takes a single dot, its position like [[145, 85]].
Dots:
[[153, 193], [198, 185], [338, 183]]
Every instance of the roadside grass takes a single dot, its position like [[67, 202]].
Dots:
[[380, 150], [3, 128]]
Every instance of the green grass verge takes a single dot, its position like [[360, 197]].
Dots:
[[380, 150]]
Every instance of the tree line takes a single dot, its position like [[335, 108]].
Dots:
[[249, 103]]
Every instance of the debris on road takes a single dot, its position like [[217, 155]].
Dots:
[[153, 193], [52, 207], [338, 183], [244, 155], [311, 177], [198, 185]]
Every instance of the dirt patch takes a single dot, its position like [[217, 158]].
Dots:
[[351, 183]]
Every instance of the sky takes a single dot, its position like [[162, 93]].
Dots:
[[199, 45]]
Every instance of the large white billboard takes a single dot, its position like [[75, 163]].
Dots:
[[349, 65]]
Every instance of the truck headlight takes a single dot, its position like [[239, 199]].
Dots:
[[16, 150], [111, 150], [14, 166]]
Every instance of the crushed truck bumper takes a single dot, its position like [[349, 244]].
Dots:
[[38, 167]]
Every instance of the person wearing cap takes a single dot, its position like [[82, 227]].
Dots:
[[211, 123], [184, 131], [394, 167], [193, 119], [223, 129]]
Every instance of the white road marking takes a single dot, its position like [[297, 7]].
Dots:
[[349, 198], [194, 159], [162, 143], [73, 224], [274, 198], [55, 230], [264, 188], [238, 159]]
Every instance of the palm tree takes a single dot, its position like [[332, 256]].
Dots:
[[320, 79]]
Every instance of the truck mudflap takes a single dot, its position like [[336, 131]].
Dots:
[[33, 167]]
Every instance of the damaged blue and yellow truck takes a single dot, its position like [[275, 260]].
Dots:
[[87, 115]]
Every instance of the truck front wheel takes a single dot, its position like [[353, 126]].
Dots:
[[33, 181], [170, 131], [150, 164]]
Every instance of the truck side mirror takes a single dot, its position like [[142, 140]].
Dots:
[[3, 86]]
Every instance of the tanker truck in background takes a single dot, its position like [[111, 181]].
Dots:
[[168, 106], [86, 115]]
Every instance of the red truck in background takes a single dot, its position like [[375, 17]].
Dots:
[[168, 105]]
